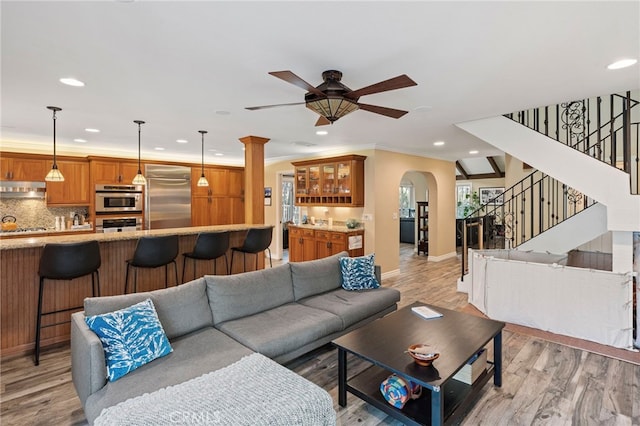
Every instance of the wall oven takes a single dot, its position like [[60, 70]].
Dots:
[[118, 199], [119, 224]]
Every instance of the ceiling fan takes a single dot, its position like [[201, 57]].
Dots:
[[333, 100]]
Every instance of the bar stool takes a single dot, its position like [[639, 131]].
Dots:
[[66, 262], [153, 252], [209, 246], [256, 241]]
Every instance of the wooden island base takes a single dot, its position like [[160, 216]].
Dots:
[[20, 258]]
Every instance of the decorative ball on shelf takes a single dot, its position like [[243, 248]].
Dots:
[[351, 223]]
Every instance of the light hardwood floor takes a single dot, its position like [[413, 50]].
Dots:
[[543, 382]]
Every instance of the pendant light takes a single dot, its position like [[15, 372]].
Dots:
[[139, 179], [203, 180], [54, 174]]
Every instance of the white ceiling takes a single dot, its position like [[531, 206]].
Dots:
[[177, 64]]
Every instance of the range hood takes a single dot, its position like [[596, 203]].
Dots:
[[22, 189]]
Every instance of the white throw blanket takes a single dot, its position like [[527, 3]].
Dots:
[[252, 391]]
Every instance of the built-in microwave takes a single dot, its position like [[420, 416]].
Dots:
[[118, 199]]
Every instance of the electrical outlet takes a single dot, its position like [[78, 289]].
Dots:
[[367, 217]]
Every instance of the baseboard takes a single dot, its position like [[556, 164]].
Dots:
[[390, 274], [442, 257]]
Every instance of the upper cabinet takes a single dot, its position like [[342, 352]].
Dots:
[[336, 181], [23, 168], [75, 190], [114, 172], [220, 203]]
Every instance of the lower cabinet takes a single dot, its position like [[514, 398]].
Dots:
[[302, 244], [310, 244]]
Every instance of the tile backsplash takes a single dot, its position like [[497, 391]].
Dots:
[[32, 213]]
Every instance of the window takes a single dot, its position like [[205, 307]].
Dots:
[[406, 201]]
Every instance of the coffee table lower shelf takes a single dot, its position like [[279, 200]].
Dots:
[[458, 397]]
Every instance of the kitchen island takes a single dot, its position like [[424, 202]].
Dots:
[[20, 258]]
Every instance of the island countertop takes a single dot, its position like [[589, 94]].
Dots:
[[19, 280], [37, 241]]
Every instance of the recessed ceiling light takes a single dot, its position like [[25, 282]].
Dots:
[[322, 132], [80, 140], [303, 143], [473, 151], [422, 108], [623, 63], [159, 148], [219, 154], [222, 112], [71, 82], [90, 130], [182, 141], [438, 143]]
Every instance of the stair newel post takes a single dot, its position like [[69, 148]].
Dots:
[[587, 129]]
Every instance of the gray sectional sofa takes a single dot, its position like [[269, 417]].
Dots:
[[214, 321]]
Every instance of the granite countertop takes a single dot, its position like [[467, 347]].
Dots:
[[334, 228], [35, 241]]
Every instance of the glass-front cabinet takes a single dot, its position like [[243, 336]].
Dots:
[[336, 181], [301, 181], [329, 179]]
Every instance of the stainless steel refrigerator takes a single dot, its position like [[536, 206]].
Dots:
[[168, 196]]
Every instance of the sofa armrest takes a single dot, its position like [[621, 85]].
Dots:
[[378, 272], [88, 366]]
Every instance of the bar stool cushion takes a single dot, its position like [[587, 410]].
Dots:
[[181, 310], [131, 338]]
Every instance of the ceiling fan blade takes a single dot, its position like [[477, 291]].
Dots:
[[272, 106], [322, 121], [389, 112], [290, 77], [392, 84]]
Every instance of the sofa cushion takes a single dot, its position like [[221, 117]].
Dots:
[[358, 273], [131, 337], [354, 306], [181, 310], [240, 295], [316, 276], [282, 329], [193, 355]]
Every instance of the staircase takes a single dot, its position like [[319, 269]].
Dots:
[[586, 154]]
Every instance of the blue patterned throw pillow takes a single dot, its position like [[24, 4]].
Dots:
[[131, 337], [358, 273]]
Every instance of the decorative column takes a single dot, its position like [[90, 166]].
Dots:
[[254, 179]]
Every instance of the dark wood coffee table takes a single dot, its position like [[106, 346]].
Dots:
[[457, 337]]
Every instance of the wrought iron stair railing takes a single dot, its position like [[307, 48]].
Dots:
[[525, 210], [606, 131]]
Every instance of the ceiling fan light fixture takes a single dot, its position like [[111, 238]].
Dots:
[[332, 108]]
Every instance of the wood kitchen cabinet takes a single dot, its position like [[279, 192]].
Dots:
[[302, 244], [114, 172], [220, 203], [310, 244], [75, 190], [336, 181], [21, 167]]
